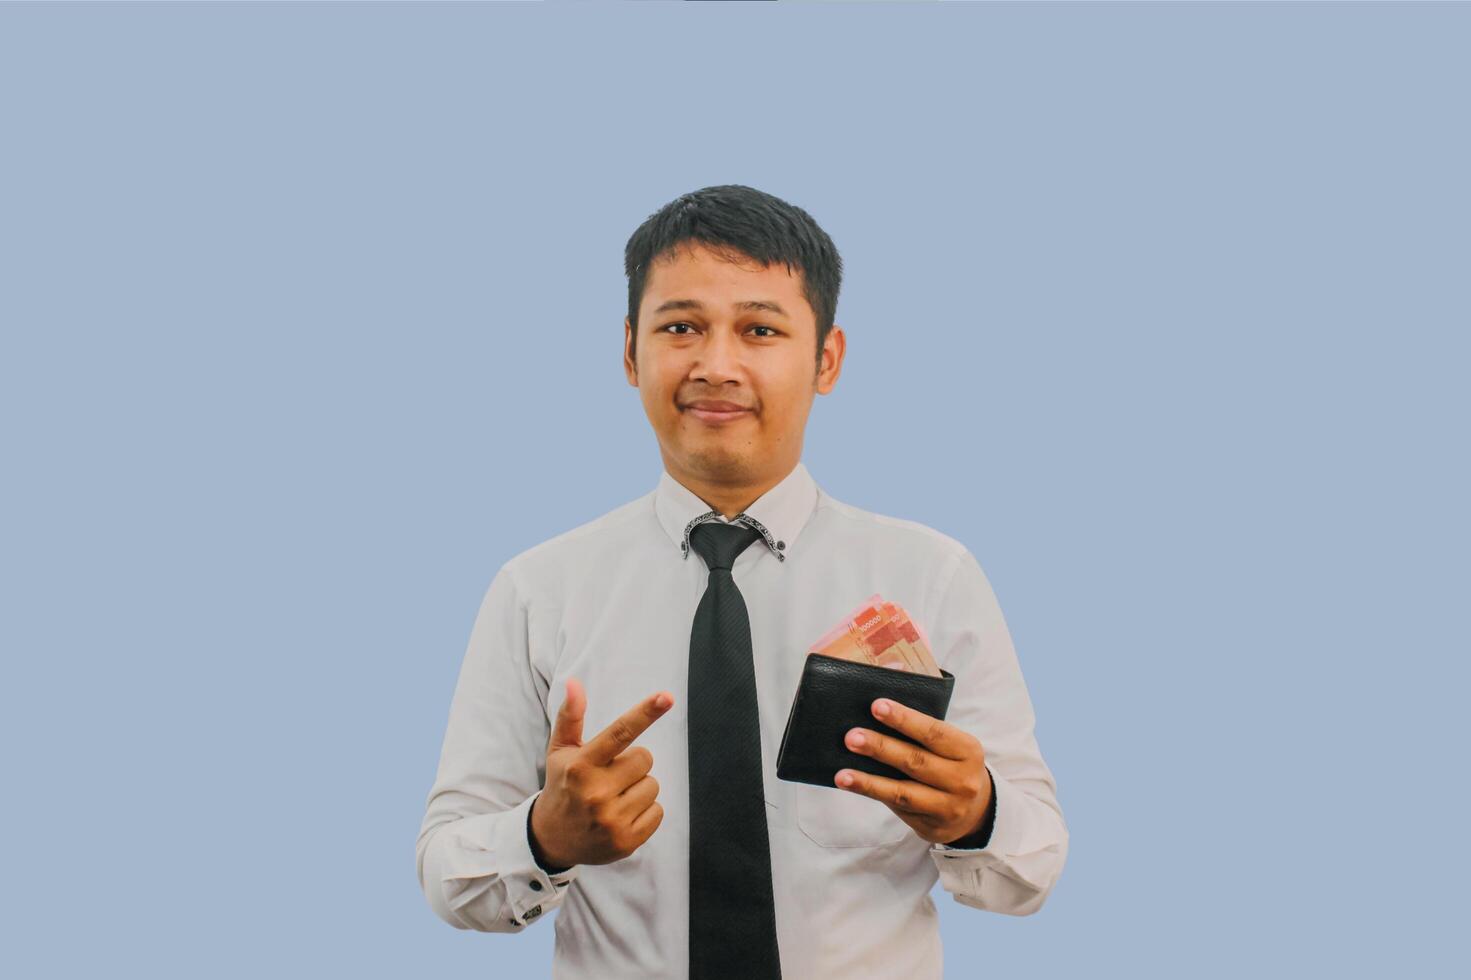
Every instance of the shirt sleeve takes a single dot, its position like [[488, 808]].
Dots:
[[475, 862], [1016, 868]]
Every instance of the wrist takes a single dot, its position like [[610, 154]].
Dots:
[[981, 835], [537, 854]]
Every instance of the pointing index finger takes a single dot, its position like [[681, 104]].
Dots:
[[608, 743]]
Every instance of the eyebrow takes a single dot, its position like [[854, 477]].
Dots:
[[757, 305]]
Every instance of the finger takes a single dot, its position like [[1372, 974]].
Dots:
[[631, 765], [647, 822], [606, 745], [636, 798], [901, 794], [914, 761], [935, 734], [568, 728]]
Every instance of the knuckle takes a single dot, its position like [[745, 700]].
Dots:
[[653, 784], [622, 731], [610, 833], [916, 760]]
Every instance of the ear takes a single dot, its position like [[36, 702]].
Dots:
[[833, 348], [630, 367]]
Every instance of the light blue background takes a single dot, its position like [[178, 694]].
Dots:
[[312, 317]]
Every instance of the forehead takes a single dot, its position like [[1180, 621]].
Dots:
[[695, 272]]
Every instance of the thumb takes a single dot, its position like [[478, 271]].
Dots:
[[568, 729]]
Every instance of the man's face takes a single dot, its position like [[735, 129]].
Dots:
[[698, 342]]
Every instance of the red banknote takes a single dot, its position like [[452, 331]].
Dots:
[[881, 633]]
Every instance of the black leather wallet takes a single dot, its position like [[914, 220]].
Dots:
[[834, 696]]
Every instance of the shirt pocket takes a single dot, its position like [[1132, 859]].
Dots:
[[841, 818]]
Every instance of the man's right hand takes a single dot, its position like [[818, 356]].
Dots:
[[598, 804]]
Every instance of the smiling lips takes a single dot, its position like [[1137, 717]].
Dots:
[[713, 411]]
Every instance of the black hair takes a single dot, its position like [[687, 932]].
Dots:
[[742, 224]]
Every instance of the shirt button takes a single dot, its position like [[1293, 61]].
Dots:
[[535, 885], [781, 546]]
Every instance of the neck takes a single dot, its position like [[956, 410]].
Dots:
[[728, 498]]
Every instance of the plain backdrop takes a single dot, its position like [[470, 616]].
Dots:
[[312, 317]]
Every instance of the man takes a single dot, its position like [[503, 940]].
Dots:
[[681, 621]]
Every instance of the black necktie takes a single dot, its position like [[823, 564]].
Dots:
[[732, 910]]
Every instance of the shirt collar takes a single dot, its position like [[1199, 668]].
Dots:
[[779, 514]]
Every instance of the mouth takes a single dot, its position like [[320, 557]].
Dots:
[[718, 413]]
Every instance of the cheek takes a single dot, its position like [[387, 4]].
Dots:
[[785, 394], [659, 393], [657, 378]]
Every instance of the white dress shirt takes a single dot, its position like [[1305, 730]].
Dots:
[[612, 602]]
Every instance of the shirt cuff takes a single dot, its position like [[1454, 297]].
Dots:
[[496, 844]]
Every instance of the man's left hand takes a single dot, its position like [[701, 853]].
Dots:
[[951, 788]]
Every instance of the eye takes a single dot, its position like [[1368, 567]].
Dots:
[[759, 326]]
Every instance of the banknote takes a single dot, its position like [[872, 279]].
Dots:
[[912, 639], [881, 633]]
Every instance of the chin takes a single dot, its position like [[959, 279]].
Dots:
[[718, 465]]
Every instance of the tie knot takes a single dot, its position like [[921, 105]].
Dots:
[[719, 543]]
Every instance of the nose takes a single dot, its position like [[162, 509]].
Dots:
[[719, 358]]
